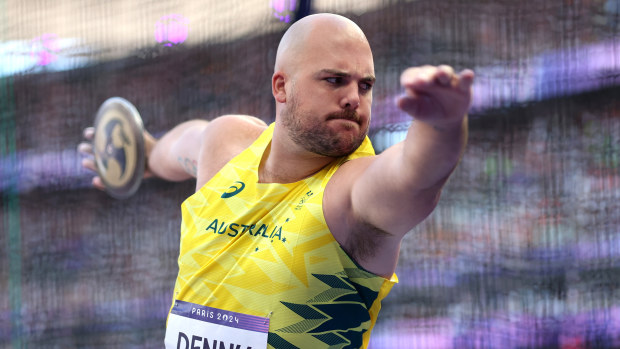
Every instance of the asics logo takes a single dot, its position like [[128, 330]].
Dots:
[[233, 190]]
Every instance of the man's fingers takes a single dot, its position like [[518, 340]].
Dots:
[[436, 94], [89, 164], [408, 104], [85, 148], [98, 183], [416, 77], [414, 104], [89, 133], [444, 75], [430, 77], [466, 79]]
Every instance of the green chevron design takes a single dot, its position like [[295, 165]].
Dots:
[[322, 314], [332, 339], [278, 342]]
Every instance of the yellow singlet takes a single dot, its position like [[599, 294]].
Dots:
[[264, 249]]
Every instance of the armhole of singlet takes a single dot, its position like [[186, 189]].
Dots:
[[260, 141]]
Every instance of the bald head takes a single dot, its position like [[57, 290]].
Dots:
[[309, 33], [322, 84]]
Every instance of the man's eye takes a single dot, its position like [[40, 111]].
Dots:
[[335, 80], [365, 86]]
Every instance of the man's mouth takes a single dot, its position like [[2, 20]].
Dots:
[[345, 115]]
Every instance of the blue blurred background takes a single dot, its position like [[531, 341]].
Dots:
[[523, 250]]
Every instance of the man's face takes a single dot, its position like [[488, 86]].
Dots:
[[330, 95]]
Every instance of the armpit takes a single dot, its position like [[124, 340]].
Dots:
[[365, 241]]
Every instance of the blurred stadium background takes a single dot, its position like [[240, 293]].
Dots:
[[523, 251]]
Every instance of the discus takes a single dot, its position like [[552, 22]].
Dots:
[[118, 146]]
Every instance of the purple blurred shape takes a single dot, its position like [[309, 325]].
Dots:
[[553, 74], [44, 49], [171, 29], [283, 9]]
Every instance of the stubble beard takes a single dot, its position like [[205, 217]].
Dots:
[[315, 136]]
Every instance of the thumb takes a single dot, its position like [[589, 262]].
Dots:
[[414, 105]]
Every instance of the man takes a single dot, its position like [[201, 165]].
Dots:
[[297, 226]]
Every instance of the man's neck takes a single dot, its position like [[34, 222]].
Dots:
[[287, 162]]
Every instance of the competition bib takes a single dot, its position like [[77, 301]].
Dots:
[[192, 326]]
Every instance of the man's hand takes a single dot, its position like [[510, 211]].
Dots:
[[88, 162], [436, 95]]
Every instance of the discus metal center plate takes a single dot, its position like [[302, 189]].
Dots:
[[119, 147]]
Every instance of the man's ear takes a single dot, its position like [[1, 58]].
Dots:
[[278, 88]]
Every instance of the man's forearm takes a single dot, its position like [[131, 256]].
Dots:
[[174, 156], [433, 152]]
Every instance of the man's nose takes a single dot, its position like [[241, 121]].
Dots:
[[351, 97]]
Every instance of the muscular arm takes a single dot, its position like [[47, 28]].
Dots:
[[371, 203], [406, 180], [199, 148]]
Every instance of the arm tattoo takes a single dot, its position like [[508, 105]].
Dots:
[[190, 166]]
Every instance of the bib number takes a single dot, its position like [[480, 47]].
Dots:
[[193, 326]]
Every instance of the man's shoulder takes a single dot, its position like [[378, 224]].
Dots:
[[234, 125], [224, 138], [233, 131]]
